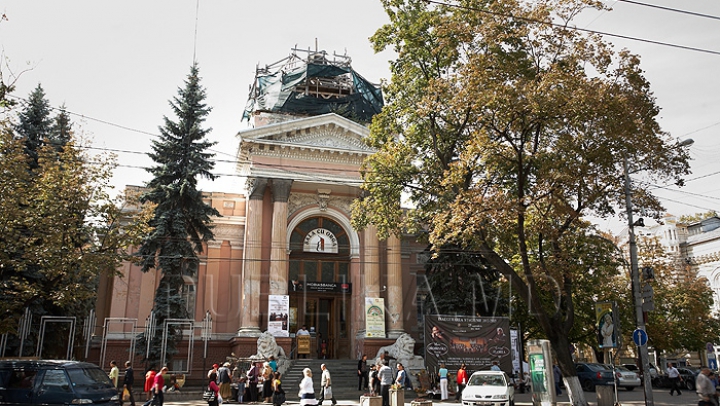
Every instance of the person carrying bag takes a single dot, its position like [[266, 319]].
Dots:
[[212, 393]]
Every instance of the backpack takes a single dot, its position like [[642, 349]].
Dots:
[[224, 375]]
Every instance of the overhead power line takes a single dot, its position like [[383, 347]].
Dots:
[[675, 10], [586, 30]]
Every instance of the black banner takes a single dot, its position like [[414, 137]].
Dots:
[[309, 286], [475, 341]]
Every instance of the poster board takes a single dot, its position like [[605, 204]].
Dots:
[[374, 317], [303, 344], [474, 341], [279, 315]]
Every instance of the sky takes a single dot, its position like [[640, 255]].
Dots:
[[116, 64]]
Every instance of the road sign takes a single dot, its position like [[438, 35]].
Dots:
[[640, 337]]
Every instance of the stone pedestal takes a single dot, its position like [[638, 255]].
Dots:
[[605, 395], [397, 397], [370, 400]]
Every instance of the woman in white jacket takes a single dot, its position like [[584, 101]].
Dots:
[[307, 392]]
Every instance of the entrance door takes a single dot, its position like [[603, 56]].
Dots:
[[326, 332]]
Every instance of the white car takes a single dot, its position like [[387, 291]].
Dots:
[[488, 388]]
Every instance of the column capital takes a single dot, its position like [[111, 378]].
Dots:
[[256, 188], [281, 189]]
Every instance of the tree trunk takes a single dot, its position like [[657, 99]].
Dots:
[[575, 391]]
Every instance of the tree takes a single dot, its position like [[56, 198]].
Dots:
[[505, 127], [682, 317], [59, 230], [181, 221], [34, 123], [692, 218]]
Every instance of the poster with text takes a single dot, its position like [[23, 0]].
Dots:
[[605, 318], [374, 317], [475, 341], [279, 315]]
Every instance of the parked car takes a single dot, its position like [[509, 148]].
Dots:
[[591, 375], [626, 378], [25, 382], [634, 368], [489, 388]]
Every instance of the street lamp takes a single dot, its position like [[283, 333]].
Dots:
[[635, 275]]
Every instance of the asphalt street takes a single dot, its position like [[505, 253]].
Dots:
[[661, 397]]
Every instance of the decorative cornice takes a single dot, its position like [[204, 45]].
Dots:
[[233, 233], [297, 201]]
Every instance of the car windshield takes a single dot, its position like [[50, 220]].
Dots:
[[89, 378], [487, 380]]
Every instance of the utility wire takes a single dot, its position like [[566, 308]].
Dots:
[[586, 30], [675, 10]]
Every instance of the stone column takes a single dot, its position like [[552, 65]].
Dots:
[[371, 269], [395, 287], [250, 324], [279, 252]]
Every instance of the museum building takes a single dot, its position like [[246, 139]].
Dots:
[[285, 253]]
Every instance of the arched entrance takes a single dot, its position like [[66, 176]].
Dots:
[[320, 289]]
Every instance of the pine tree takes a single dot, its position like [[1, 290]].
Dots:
[[182, 221], [34, 123], [61, 130]]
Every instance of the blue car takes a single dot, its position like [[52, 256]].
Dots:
[[591, 375]]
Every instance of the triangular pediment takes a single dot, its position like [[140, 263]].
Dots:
[[328, 131]]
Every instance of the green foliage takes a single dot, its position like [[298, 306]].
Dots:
[[181, 221], [504, 129], [34, 123], [682, 318], [58, 230], [694, 218]]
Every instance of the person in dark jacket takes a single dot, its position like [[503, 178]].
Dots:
[[128, 382]]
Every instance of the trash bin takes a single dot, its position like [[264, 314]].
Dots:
[[605, 395], [370, 400]]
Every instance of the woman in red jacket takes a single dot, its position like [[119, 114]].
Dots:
[[462, 378], [213, 387]]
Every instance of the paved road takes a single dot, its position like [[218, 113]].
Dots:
[[661, 397]]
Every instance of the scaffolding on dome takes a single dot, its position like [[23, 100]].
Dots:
[[312, 86]]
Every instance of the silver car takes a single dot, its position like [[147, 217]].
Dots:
[[626, 378]]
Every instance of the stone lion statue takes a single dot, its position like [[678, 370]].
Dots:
[[403, 351], [267, 346]]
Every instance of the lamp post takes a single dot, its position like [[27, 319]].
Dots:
[[635, 276]]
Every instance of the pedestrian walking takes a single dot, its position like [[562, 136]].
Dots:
[[705, 388], [114, 373], [385, 375], [558, 379], [401, 376], [675, 379], [462, 378], [149, 382], [307, 392], [374, 380], [326, 386], [213, 386], [362, 370], [443, 375], [128, 381], [278, 392], [224, 379]]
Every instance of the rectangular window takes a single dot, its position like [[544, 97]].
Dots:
[[310, 269], [328, 272]]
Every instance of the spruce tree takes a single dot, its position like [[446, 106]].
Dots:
[[181, 221], [61, 130], [34, 124]]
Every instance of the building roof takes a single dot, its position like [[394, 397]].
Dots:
[[316, 84]]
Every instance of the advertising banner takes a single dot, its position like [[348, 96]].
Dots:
[[475, 341], [279, 315], [605, 317], [374, 317]]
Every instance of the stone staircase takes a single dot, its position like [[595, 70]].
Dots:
[[343, 374]]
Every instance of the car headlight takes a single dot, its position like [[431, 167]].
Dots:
[[501, 396]]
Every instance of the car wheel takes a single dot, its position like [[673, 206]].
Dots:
[[690, 385], [588, 386]]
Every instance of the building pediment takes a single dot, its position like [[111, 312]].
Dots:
[[326, 132]]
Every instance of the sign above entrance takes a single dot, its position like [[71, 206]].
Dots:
[[320, 240], [309, 286]]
